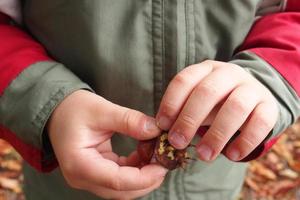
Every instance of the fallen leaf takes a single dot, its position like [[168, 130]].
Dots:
[[10, 174], [252, 184], [296, 144], [13, 165], [272, 158], [296, 166], [281, 150], [4, 147], [288, 173], [263, 171], [11, 184], [284, 186]]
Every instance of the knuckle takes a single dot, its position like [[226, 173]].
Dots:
[[206, 89], [169, 109], [236, 68], [271, 106], [182, 78], [248, 142], [208, 62], [115, 184], [238, 105], [129, 117], [126, 119], [263, 122], [246, 145], [188, 121], [218, 136], [143, 183]]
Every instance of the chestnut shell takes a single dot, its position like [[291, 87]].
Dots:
[[169, 157], [163, 153]]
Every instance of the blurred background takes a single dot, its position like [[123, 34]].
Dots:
[[276, 175]]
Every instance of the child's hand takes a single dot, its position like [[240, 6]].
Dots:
[[221, 95], [80, 130]]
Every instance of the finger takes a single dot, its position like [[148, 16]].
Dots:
[[212, 115], [104, 146], [131, 122], [93, 168], [229, 119], [108, 193], [132, 160], [173, 100], [110, 156], [205, 96], [130, 178], [261, 122]]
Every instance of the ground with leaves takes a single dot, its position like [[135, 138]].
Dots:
[[10, 173], [275, 176]]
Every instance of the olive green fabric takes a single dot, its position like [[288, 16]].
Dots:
[[140, 44], [128, 51], [220, 180], [29, 100], [287, 99]]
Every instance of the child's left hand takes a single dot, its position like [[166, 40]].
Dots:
[[224, 96]]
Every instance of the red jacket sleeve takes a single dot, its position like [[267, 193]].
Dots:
[[276, 39], [18, 51]]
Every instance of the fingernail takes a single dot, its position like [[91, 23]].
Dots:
[[164, 123], [234, 154], [177, 140], [150, 126], [205, 152]]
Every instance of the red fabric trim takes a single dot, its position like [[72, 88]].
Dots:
[[31, 154], [260, 150], [17, 51], [268, 145], [293, 5], [276, 39]]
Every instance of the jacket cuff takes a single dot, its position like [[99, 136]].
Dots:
[[26, 106], [287, 99]]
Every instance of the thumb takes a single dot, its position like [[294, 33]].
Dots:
[[133, 123]]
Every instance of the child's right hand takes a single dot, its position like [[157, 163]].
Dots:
[[80, 130]]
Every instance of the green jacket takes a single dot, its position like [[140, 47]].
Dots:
[[136, 45]]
